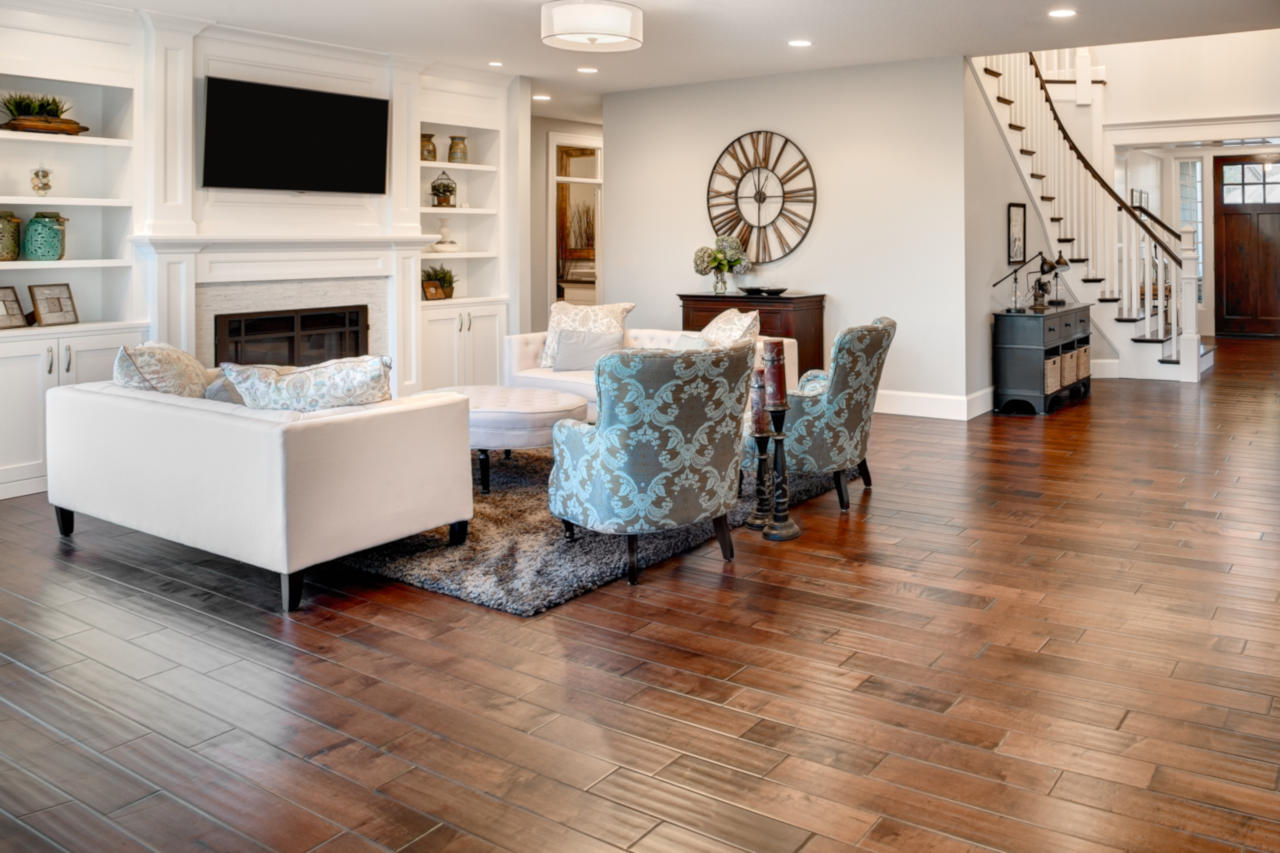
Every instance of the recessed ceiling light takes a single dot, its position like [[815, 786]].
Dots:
[[800, 43], [1062, 13], [495, 64], [588, 70], [542, 97]]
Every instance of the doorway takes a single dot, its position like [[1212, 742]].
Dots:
[[1246, 218], [575, 173]]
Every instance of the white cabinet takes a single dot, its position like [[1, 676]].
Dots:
[[462, 343], [29, 367]]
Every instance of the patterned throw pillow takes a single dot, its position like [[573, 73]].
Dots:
[[730, 326], [328, 385], [159, 367], [582, 318]]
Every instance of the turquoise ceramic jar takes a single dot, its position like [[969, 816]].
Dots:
[[46, 237]]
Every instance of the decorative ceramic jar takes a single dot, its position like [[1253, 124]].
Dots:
[[442, 190], [428, 147], [10, 236], [457, 149], [46, 237]]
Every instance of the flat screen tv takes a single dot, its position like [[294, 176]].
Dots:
[[278, 138]]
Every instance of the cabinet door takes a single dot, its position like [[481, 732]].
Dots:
[[486, 326], [27, 370], [442, 347], [90, 358]]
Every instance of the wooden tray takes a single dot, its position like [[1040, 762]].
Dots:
[[44, 124]]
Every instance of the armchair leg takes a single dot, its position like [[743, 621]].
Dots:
[[66, 521], [291, 591], [739, 482], [484, 472], [633, 571], [458, 533], [865, 473], [724, 536], [568, 530], [842, 492]]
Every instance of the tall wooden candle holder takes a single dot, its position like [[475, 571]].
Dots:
[[761, 431], [779, 527]]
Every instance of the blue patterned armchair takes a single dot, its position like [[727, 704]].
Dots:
[[664, 450], [829, 419]]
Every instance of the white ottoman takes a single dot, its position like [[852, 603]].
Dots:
[[514, 418]]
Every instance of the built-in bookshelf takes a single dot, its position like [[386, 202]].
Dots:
[[475, 219]]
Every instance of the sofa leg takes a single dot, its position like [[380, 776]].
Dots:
[[291, 591], [458, 533], [723, 534], [842, 491], [66, 521], [865, 473], [484, 472], [633, 571], [568, 529]]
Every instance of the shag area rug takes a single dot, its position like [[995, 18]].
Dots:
[[516, 558]]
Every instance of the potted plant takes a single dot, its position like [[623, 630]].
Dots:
[[726, 257], [39, 114], [442, 190], [437, 279]]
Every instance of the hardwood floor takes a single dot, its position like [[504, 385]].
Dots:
[[1052, 634]]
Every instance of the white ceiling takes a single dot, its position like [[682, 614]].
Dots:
[[688, 41]]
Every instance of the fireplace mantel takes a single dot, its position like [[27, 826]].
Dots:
[[177, 268]]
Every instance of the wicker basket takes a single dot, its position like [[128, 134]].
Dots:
[[1082, 363], [1052, 375], [1068, 368]]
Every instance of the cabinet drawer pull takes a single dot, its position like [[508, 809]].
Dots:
[[468, 321], [67, 369], [49, 369], [459, 322], [1053, 328], [1066, 325]]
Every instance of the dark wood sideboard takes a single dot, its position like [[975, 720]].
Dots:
[[794, 314], [1041, 358]]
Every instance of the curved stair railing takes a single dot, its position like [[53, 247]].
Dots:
[[1133, 258]]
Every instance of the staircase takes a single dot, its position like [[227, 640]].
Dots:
[[1138, 272]]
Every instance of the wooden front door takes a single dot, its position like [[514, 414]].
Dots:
[[1246, 219]]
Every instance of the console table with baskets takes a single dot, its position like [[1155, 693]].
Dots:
[[1041, 358]]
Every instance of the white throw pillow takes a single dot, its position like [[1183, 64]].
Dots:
[[730, 326], [328, 385], [581, 350], [159, 367], [582, 318], [690, 343]]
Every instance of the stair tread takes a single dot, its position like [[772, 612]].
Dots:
[[1047, 197], [1170, 360], [1078, 260], [1019, 127], [992, 72], [1066, 239], [1037, 176], [1001, 99], [1099, 281], [1137, 319], [1055, 218], [1026, 152], [1146, 340]]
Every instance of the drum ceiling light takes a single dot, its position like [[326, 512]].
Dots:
[[595, 26]]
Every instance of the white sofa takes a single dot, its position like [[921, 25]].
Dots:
[[522, 358], [278, 490]]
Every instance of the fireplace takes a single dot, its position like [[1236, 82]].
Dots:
[[298, 337]]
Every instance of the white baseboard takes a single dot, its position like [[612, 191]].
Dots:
[[23, 487], [980, 402], [918, 404], [1104, 368]]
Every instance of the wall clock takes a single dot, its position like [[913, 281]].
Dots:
[[762, 191]]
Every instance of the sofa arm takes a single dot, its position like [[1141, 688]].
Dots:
[[521, 352], [355, 479]]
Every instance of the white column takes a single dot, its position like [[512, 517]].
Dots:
[[406, 173], [167, 102]]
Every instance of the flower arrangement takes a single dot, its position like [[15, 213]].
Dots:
[[726, 257]]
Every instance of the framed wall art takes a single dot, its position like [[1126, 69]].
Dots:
[[1017, 222], [11, 315], [53, 304]]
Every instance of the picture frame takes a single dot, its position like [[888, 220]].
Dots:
[[53, 304], [11, 313], [432, 290], [1016, 219]]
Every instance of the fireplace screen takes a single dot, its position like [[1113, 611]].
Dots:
[[300, 337]]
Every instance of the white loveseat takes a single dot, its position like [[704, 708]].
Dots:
[[279, 490], [522, 359]]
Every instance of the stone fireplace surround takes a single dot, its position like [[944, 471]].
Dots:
[[189, 280]]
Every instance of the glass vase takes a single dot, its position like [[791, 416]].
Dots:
[[720, 287]]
